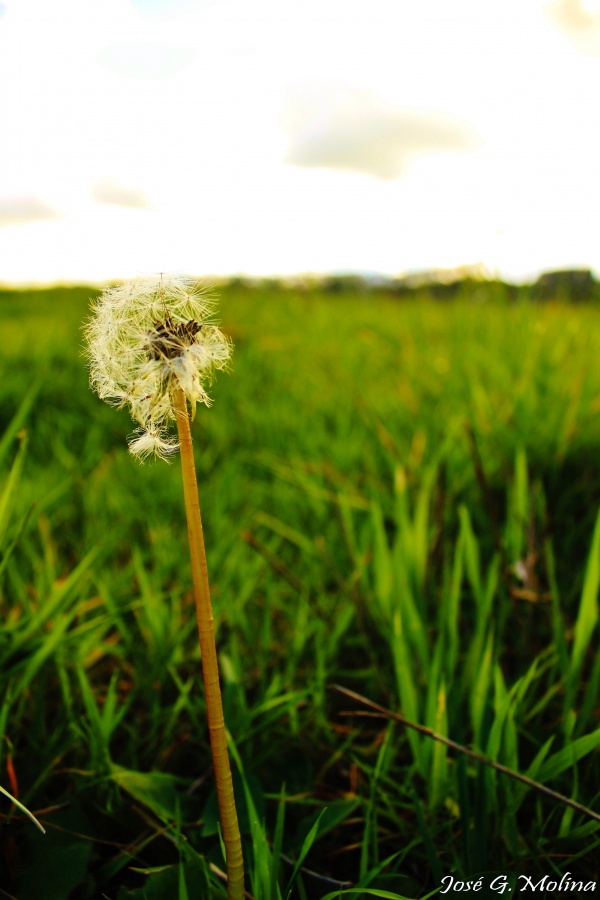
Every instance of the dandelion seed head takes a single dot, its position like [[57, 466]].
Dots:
[[147, 338]]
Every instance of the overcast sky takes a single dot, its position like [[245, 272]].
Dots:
[[285, 136]]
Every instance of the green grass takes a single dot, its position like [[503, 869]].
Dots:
[[371, 472]]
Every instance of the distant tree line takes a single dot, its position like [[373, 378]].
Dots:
[[564, 285], [572, 285]]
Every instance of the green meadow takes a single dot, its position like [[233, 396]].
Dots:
[[400, 497]]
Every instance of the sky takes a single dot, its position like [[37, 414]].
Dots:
[[278, 137]]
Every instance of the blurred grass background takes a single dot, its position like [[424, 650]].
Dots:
[[399, 494]]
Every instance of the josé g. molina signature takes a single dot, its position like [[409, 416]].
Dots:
[[503, 883]]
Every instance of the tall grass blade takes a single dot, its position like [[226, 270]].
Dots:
[[569, 755], [19, 418], [304, 850], [9, 494], [23, 809], [588, 613]]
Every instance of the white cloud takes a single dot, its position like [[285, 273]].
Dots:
[[340, 127], [579, 21], [107, 190], [21, 209]]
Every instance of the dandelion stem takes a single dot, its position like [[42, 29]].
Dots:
[[210, 671]]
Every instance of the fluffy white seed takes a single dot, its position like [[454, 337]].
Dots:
[[146, 338]]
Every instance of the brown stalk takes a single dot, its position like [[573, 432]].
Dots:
[[210, 669], [383, 712]]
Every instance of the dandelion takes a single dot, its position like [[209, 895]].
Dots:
[[147, 339], [151, 346]]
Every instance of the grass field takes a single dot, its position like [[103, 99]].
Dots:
[[400, 496]]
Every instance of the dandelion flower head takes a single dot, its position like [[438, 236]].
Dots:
[[147, 338]]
